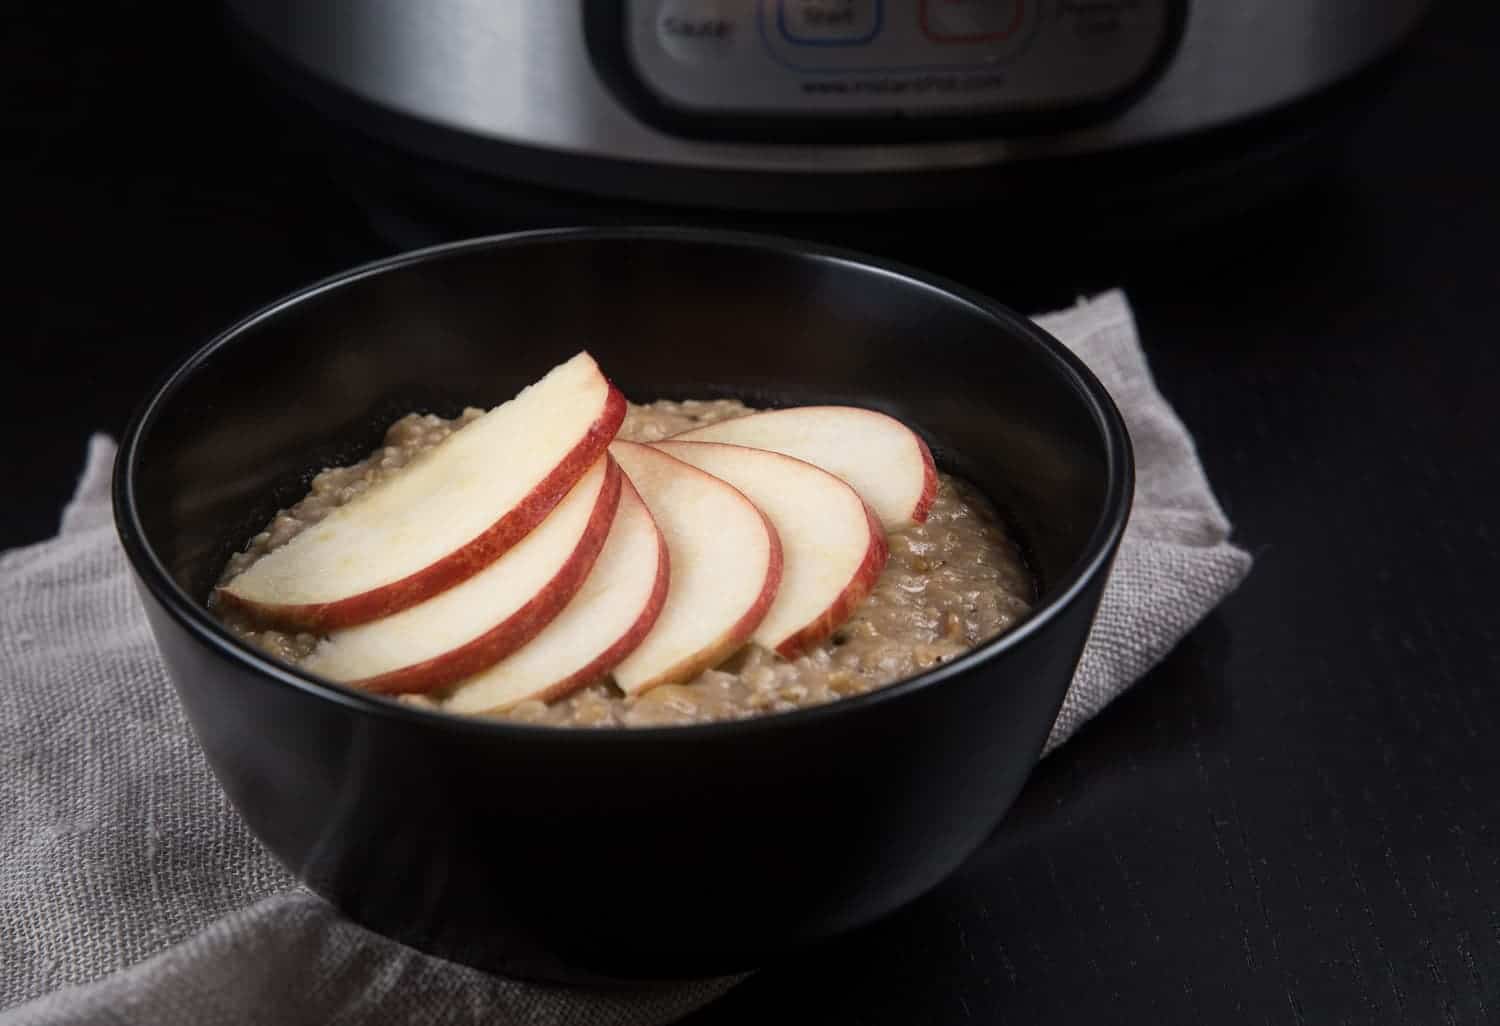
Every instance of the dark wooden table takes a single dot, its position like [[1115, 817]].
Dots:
[[1292, 820]]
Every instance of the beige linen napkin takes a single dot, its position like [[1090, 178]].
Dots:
[[131, 893]]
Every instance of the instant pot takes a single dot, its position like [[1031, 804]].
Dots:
[[482, 108]]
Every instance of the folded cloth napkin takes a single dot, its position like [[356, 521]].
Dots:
[[118, 846]]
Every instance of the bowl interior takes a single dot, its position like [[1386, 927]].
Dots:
[[314, 381]]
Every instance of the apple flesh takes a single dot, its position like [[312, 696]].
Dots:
[[833, 548], [476, 623], [725, 569], [446, 517], [885, 461], [613, 611]]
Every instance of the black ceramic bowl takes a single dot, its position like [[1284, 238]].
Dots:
[[595, 854]]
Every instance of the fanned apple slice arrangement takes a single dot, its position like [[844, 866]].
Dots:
[[532, 552]]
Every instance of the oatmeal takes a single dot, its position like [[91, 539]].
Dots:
[[951, 582]]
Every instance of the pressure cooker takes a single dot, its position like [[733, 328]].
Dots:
[[804, 104]]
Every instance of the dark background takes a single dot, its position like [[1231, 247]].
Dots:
[[1293, 820]]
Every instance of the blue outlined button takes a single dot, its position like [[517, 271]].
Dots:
[[829, 22]]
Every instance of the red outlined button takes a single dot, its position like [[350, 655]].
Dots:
[[972, 21]]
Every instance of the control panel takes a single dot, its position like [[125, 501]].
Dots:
[[842, 59]]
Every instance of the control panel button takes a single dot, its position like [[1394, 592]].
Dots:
[[973, 21], [810, 60], [696, 31], [829, 22]]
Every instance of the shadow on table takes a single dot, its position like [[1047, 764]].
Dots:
[[1179, 710]]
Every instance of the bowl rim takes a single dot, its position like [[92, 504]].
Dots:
[[1098, 551]]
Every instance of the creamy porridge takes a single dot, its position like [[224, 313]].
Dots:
[[951, 582]]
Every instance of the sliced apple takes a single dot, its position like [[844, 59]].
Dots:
[[447, 516], [476, 623], [613, 611], [883, 459], [725, 569], [832, 547]]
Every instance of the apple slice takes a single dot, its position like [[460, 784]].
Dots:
[[833, 548], [612, 612], [447, 516], [725, 569], [883, 459], [476, 623]]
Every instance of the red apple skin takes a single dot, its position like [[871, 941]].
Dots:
[[611, 657], [861, 583], [733, 639], [926, 495], [460, 564], [864, 530], [929, 487], [768, 576], [522, 625]]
